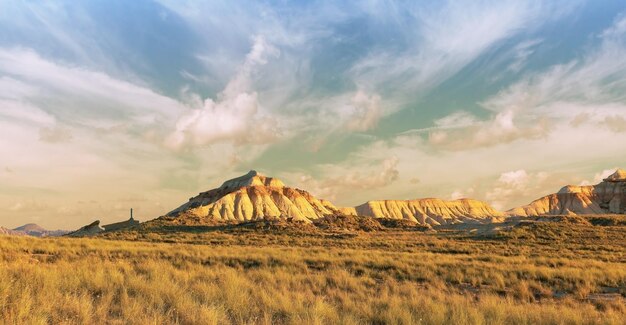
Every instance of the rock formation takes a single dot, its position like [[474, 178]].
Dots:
[[429, 211], [121, 225], [608, 196], [88, 230], [254, 196]]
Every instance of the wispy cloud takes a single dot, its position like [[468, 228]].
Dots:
[[446, 38], [349, 179], [501, 129], [597, 77], [235, 116]]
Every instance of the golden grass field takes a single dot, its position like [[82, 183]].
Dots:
[[538, 273]]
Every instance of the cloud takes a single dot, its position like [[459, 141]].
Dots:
[[502, 128], [259, 54], [78, 95], [444, 38], [28, 206], [456, 120], [512, 184], [615, 123], [235, 116], [521, 53], [516, 178], [531, 108], [54, 135], [580, 119], [599, 177], [352, 180], [233, 120], [597, 77], [364, 112], [462, 194]]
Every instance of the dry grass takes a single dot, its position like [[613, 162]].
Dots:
[[543, 273]]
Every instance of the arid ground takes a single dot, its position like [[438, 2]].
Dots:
[[557, 271]]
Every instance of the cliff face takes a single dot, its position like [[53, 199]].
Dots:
[[609, 196], [91, 229], [429, 211], [94, 228], [254, 196], [121, 225]]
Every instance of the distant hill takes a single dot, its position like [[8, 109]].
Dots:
[[32, 229], [6, 231], [606, 197]]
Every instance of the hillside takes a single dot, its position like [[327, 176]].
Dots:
[[252, 197], [255, 197], [32, 229], [429, 211], [608, 196], [36, 230]]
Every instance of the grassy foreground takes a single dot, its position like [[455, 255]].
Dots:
[[550, 273]]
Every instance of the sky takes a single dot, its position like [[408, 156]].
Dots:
[[111, 105]]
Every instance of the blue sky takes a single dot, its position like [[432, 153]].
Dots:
[[107, 105]]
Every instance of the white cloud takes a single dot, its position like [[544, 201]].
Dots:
[[446, 37], [598, 77], [462, 194], [364, 112], [84, 96], [521, 53], [616, 123], [455, 120], [235, 116], [531, 109], [580, 119], [352, 180], [599, 177], [54, 134], [516, 178], [513, 184], [469, 133]]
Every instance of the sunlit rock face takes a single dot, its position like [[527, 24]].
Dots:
[[254, 196], [609, 196], [429, 211], [91, 229]]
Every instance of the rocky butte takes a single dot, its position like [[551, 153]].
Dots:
[[254, 196], [608, 196], [251, 197]]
